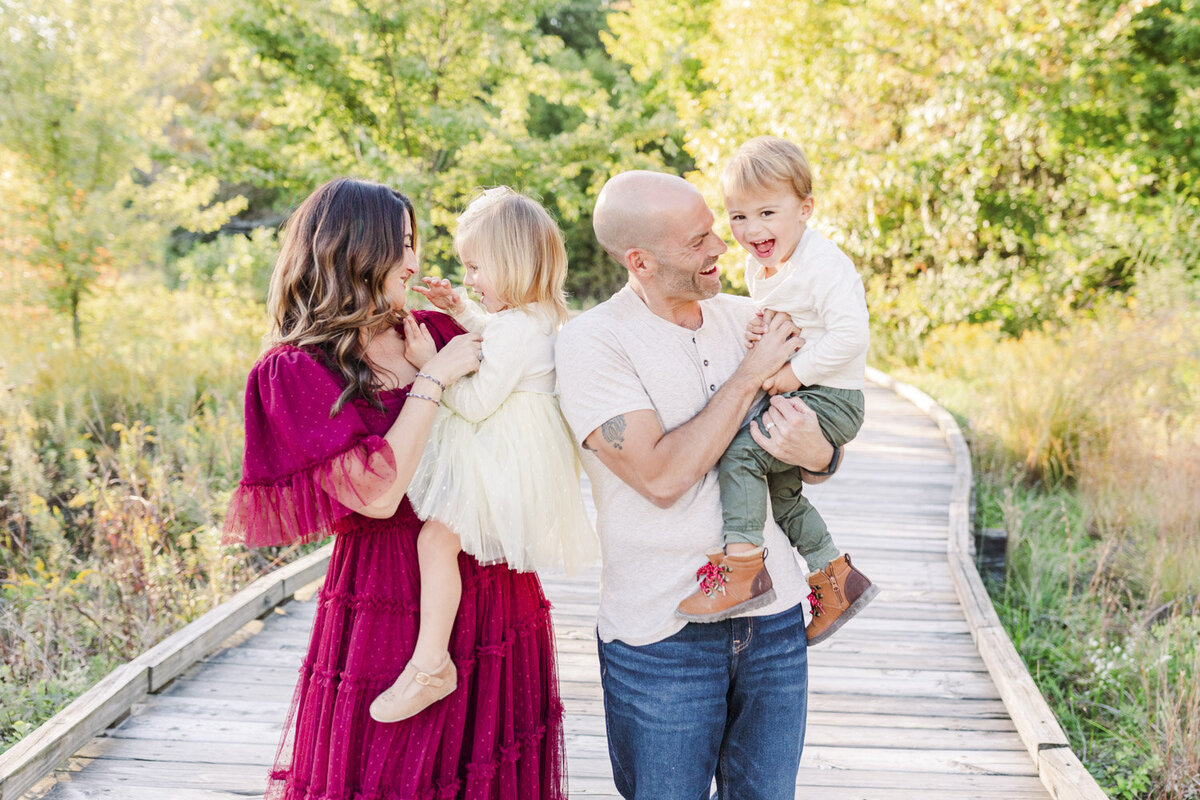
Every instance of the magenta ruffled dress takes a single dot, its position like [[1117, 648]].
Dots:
[[499, 735]]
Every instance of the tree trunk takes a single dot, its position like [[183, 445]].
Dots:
[[75, 329]]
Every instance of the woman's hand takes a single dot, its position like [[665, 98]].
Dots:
[[440, 292], [418, 343], [460, 357]]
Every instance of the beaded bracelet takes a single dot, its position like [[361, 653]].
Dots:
[[435, 401], [432, 379]]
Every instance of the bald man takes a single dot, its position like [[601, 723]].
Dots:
[[655, 382]]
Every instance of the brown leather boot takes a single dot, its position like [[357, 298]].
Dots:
[[839, 591], [729, 585]]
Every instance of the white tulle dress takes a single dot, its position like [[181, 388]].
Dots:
[[500, 468]]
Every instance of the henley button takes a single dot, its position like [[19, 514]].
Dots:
[[713, 387], [706, 362]]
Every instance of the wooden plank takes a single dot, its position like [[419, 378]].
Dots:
[[211, 709], [196, 688], [900, 760], [233, 780], [123, 791], [161, 726], [954, 707], [182, 751], [866, 783], [873, 730], [861, 719], [250, 674], [1031, 714], [26, 763], [933, 738], [1066, 777]]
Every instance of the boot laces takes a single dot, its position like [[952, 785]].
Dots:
[[814, 604], [712, 578]]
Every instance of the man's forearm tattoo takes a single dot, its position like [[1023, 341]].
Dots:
[[613, 431]]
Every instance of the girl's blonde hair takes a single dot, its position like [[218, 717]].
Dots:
[[515, 241], [764, 163], [327, 289]]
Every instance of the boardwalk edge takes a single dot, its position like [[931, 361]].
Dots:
[[1059, 768], [40, 753]]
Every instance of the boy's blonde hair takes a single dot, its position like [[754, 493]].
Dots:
[[766, 162], [520, 247]]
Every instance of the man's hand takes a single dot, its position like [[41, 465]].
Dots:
[[795, 436], [783, 381], [780, 341]]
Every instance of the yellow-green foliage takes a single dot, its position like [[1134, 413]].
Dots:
[[118, 458]]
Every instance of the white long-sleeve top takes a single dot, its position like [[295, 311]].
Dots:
[[518, 356], [822, 292]]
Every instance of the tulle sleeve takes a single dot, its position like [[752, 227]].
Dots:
[[303, 472]]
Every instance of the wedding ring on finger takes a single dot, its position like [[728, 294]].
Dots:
[[480, 354], [768, 426]]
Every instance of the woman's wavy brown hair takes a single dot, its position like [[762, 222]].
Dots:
[[327, 291]]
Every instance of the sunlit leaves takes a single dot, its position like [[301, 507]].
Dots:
[[88, 108], [967, 154]]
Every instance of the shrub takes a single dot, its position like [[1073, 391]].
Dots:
[[118, 458]]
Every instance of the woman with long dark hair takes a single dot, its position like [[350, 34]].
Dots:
[[336, 421]]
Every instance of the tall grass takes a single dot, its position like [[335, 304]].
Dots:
[[117, 459], [1087, 443]]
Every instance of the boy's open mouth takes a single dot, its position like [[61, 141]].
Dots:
[[764, 248]]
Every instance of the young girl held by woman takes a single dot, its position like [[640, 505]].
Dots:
[[499, 478]]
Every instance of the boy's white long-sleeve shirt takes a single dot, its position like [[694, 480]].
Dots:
[[822, 292]]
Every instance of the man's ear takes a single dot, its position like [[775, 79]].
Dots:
[[637, 262]]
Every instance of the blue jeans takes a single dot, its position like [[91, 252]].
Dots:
[[727, 698]]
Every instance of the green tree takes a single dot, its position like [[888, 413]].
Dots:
[[88, 107], [980, 161], [437, 97]]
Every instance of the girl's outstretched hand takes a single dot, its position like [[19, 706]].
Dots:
[[418, 343], [440, 292]]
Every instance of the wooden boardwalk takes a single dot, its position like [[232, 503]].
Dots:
[[902, 704]]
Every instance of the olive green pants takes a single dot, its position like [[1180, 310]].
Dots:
[[748, 475]]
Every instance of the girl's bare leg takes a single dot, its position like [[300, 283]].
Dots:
[[441, 589], [430, 674]]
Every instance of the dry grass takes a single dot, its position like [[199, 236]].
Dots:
[[116, 461]]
